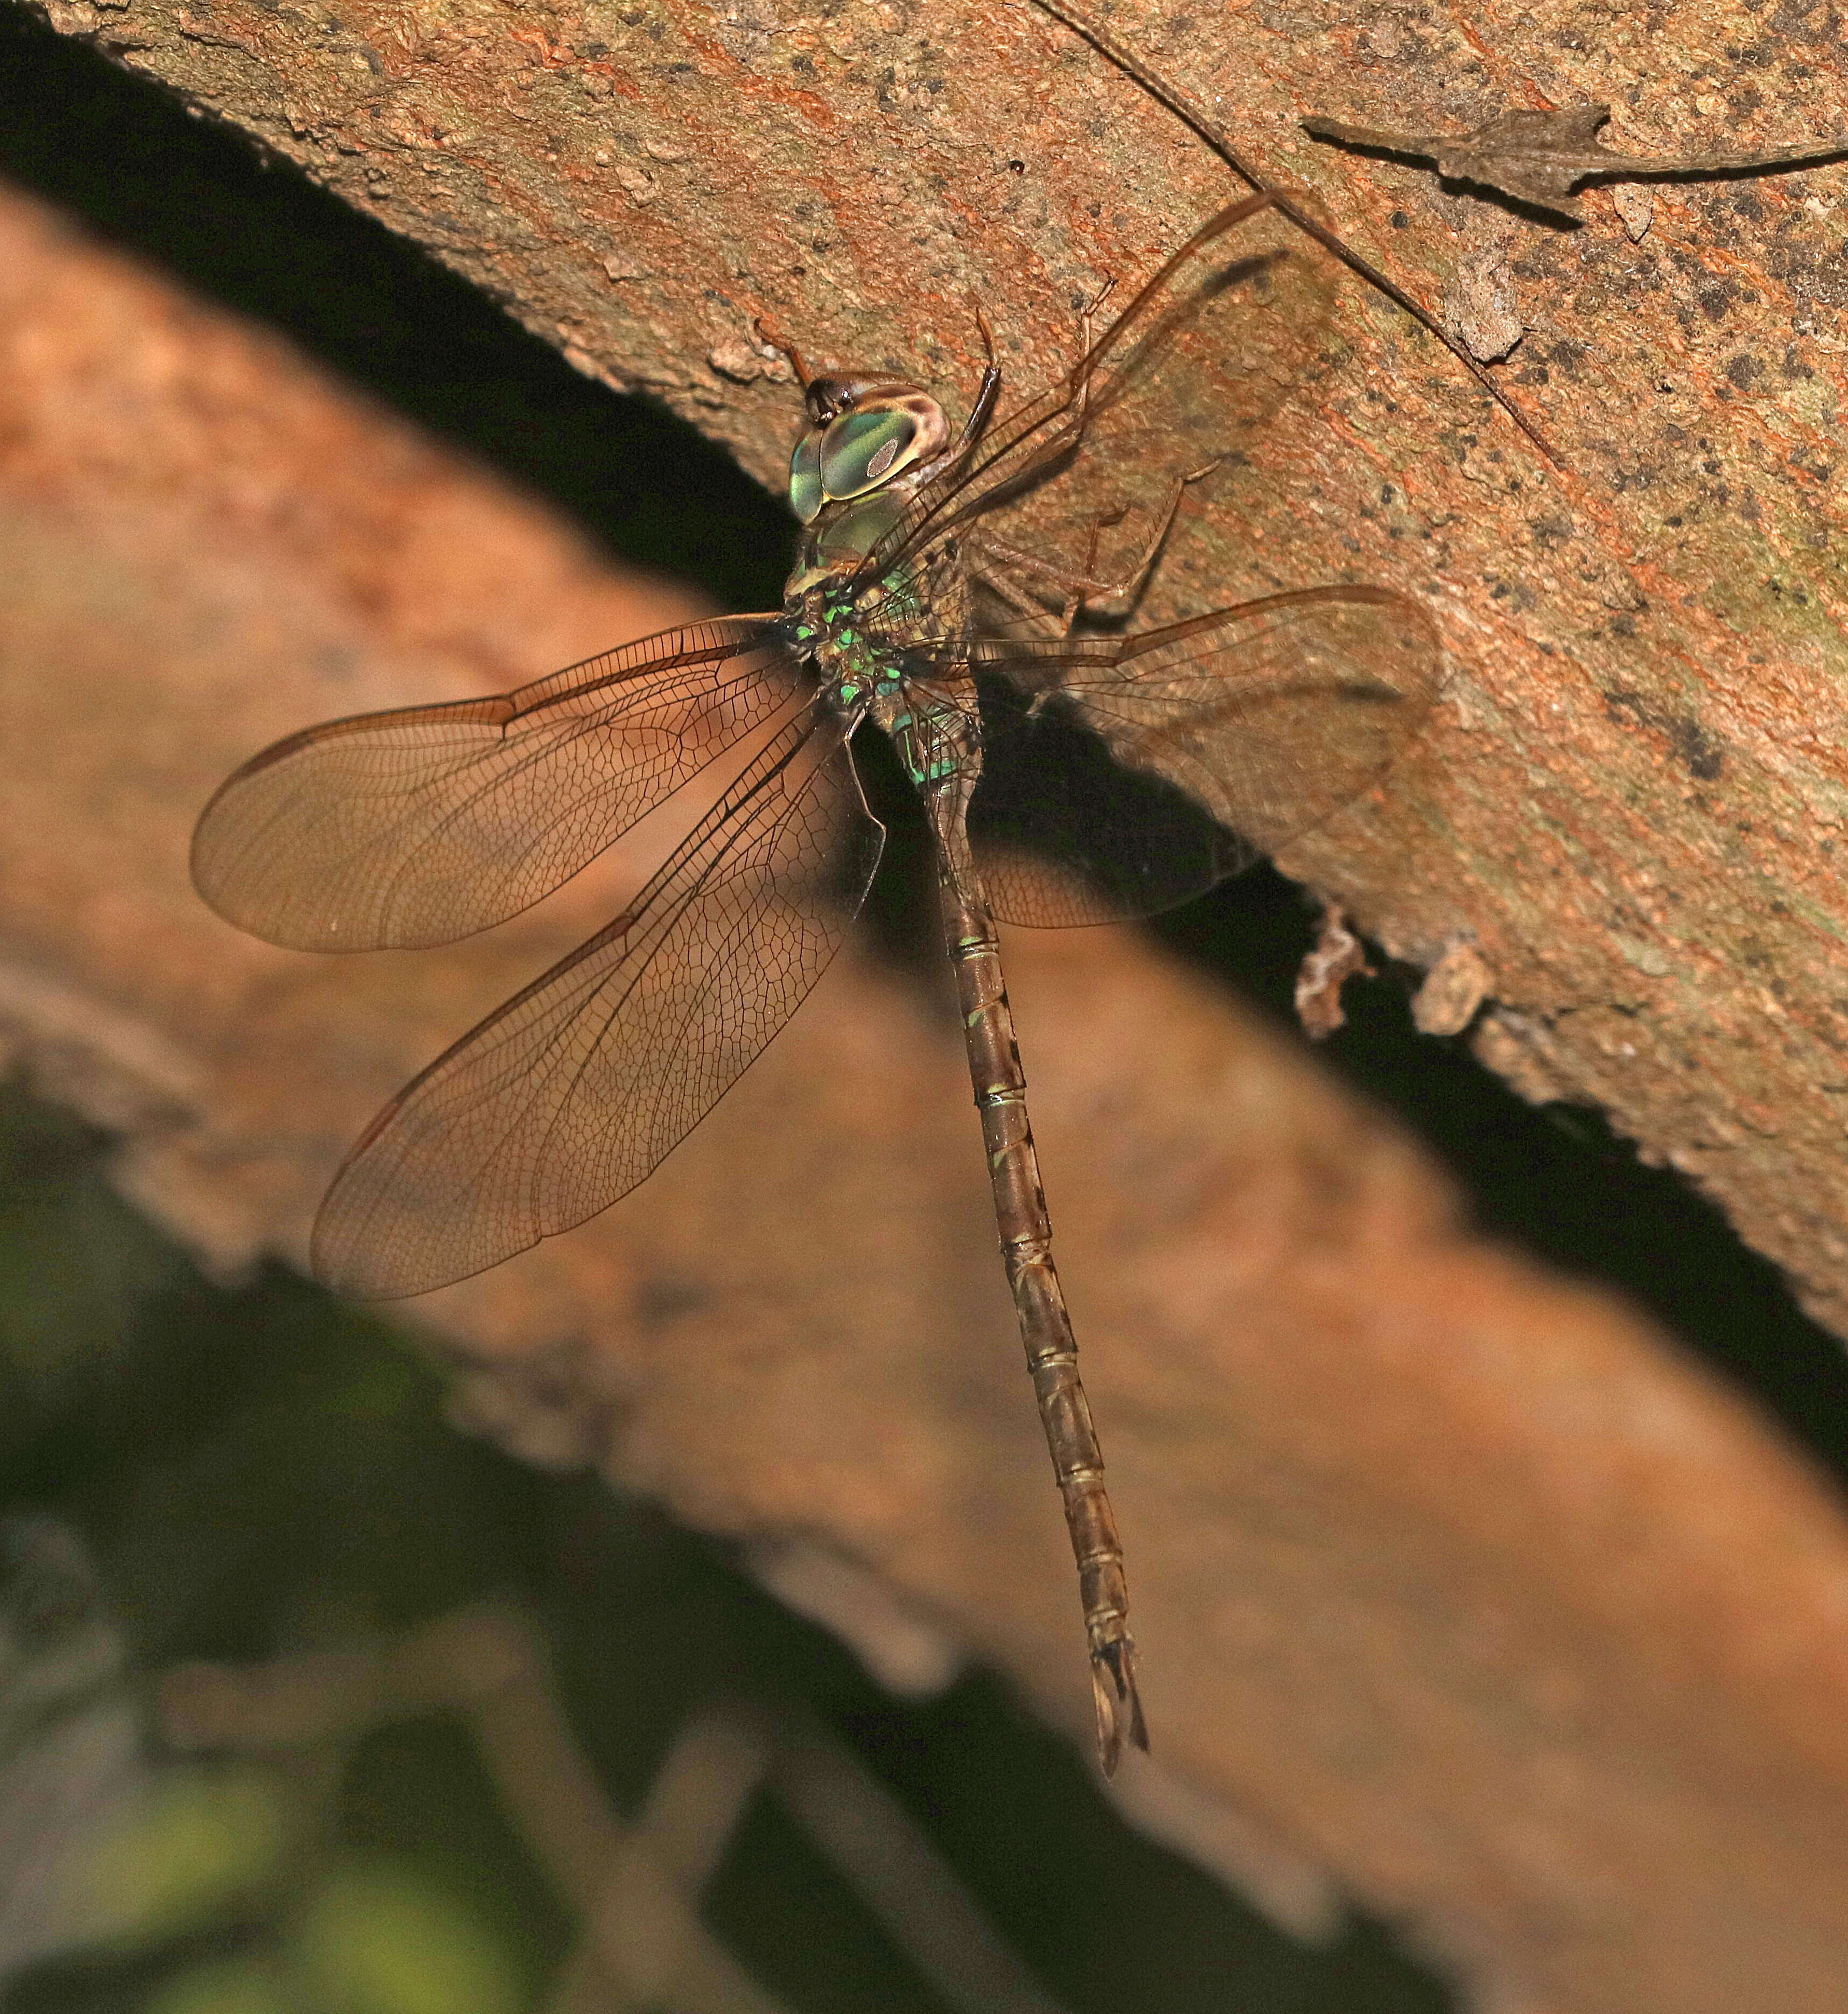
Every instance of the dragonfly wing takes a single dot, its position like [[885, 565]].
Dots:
[[1199, 359], [1100, 753], [565, 1098], [1064, 834], [425, 824]]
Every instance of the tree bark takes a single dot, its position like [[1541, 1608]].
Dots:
[[1455, 1587], [1632, 803]]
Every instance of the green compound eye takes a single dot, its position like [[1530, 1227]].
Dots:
[[807, 495], [859, 450]]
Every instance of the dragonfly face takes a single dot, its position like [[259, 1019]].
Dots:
[[863, 432], [871, 443]]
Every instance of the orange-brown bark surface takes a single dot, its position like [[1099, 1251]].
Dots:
[[1458, 1590], [1634, 801]]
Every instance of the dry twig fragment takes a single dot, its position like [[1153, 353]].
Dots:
[[1193, 115], [636, 1887], [1541, 157]]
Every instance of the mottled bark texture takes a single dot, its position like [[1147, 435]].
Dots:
[[1454, 1587], [1634, 799]]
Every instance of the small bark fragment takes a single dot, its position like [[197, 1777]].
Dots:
[[1479, 305], [1635, 206], [1453, 989], [1337, 958]]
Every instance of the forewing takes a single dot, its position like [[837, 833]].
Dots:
[[564, 1099], [423, 825], [1185, 375], [1268, 717]]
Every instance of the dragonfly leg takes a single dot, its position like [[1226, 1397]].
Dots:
[[1086, 344], [1026, 1233], [1082, 588], [1121, 596], [982, 410], [996, 575], [983, 546], [986, 392], [766, 332]]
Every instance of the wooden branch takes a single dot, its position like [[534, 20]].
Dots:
[[1635, 799], [1455, 1586]]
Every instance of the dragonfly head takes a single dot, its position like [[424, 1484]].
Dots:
[[862, 434]]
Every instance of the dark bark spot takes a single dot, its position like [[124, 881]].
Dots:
[[1699, 750]]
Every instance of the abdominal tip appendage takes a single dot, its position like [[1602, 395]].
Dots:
[[1113, 1690]]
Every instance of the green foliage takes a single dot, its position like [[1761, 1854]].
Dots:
[[263, 1470]]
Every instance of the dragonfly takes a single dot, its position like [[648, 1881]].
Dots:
[[1072, 767]]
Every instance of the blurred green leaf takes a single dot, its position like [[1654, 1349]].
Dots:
[[76, 1263], [382, 1938], [198, 1842], [236, 1986]]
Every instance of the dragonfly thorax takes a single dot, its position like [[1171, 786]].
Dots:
[[866, 674], [841, 632]]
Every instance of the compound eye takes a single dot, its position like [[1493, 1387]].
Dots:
[[807, 495], [861, 449]]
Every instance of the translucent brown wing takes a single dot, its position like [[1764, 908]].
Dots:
[[421, 826], [1200, 357], [564, 1099], [1122, 775]]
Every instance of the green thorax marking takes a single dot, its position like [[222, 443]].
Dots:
[[841, 631], [856, 635], [862, 667]]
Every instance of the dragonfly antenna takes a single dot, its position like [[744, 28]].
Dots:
[[786, 349]]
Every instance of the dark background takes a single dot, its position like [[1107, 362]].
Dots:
[[141, 1400]]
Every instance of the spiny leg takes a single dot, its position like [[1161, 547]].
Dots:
[[998, 582], [983, 549], [982, 410], [993, 563], [1082, 588]]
